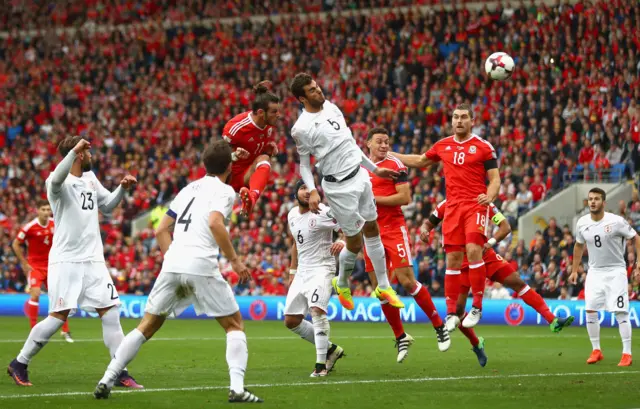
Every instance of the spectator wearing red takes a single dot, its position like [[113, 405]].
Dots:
[[537, 189]]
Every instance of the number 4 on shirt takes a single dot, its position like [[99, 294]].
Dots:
[[185, 217]]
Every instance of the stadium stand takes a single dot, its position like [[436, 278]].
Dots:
[[149, 97]]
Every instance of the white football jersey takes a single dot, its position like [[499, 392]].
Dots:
[[313, 234], [326, 136], [605, 240], [75, 212], [193, 249]]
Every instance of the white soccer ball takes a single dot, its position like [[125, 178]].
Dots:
[[499, 66]]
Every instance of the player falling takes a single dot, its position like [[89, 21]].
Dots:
[[313, 265], [389, 196], [321, 131], [38, 236], [497, 270], [251, 134], [190, 273], [468, 160], [78, 275], [606, 285]]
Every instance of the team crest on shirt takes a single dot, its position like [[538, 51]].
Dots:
[[312, 223], [92, 185], [608, 229], [472, 149]]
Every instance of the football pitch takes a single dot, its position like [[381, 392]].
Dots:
[[184, 367]]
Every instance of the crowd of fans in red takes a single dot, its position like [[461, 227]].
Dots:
[[148, 98]]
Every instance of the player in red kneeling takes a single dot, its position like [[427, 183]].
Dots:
[[38, 236], [497, 270], [251, 134], [390, 195]]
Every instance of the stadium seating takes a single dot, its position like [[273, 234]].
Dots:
[[148, 98]]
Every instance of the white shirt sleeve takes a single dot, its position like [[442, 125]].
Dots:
[[223, 203], [579, 237], [626, 230], [107, 201]]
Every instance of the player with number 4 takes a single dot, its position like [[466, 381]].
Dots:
[[606, 285]]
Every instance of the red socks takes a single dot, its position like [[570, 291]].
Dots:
[[451, 289], [259, 179], [469, 333], [535, 301], [477, 278], [392, 315], [31, 310], [65, 326], [423, 299]]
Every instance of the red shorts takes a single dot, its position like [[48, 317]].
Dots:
[[465, 222], [396, 248], [497, 269], [37, 277], [236, 178]]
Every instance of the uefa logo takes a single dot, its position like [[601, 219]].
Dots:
[[514, 314], [258, 310]]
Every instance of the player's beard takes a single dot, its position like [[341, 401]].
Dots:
[[86, 165], [597, 211], [316, 104], [303, 204]]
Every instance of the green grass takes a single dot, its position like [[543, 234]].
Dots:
[[529, 367]]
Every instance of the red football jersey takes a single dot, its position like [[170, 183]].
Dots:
[[242, 132], [438, 213], [389, 215], [465, 166], [38, 239]]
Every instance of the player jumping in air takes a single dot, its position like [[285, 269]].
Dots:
[[313, 265], [38, 236], [389, 196], [251, 134], [468, 161], [321, 131], [78, 275], [190, 273], [497, 270], [606, 284]]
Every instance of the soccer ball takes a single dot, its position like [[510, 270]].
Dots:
[[499, 66]]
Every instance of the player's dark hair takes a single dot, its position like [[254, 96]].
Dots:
[[42, 202], [465, 107], [600, 192], [67, 144], [300, 81], [217, 157], [264, 96], [375, 131]]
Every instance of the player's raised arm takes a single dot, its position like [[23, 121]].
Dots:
[[413, 160], [60, 173], [107, 201]]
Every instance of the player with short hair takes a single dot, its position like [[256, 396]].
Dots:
[[37, 235], [606, 285], [390, 195], [468, 161], [251, 135], [497, 270], [313, 265], [78, 275], [190, 273], [322, 131]]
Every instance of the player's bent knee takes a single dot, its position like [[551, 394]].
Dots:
[[232, 322], [150, 324], [454, 259], [292, 321], [474, 252], [61, 315], [354, 243], [622, 316], [405, 278], [514, 282], [371, 229], [318, 312]]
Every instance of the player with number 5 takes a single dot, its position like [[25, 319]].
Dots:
[[468, 162], [78, 275], [606, 284]]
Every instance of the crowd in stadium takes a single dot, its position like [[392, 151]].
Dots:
[[148, 98]]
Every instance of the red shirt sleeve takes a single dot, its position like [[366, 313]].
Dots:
[[490, 156], [22, 235], [432, 153]]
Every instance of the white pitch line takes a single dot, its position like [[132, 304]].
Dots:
[[285, 338], [321, 383]]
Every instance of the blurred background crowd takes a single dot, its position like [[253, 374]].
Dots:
[[151, 91]]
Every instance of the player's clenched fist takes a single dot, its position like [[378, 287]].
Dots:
[[386, 173], [241, 270], [424, 232], [271, 149], [573, 278], [81, 146], [240, 154], [128, 182]]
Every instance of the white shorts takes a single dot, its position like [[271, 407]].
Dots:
[[86, 285], [175, 292], [607, 290], [352, 202], [309, 290]]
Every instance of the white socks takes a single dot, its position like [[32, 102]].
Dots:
[[624, 326], [38, 338], [593, 328], [321, 329], [346, 262], [305, 330], [125, 353], [237, 356], [375, 251], [112, 334]]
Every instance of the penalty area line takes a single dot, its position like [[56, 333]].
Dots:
[[321, 383]]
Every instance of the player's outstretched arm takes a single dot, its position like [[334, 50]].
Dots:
[[221, 236], [107, 201], [578, 251], [163, 232], [414, 161]]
